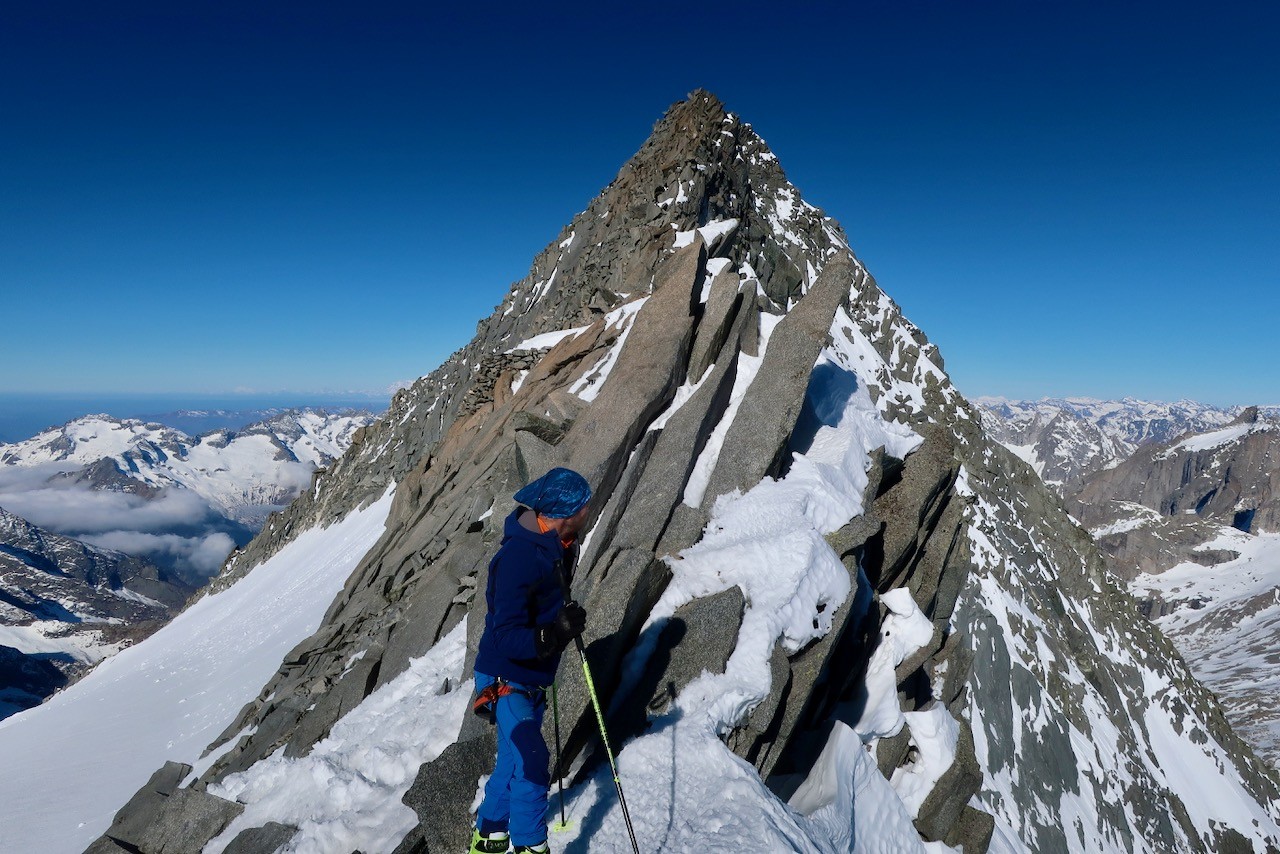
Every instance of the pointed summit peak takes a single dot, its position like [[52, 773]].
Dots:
[[701, 113], [1248, 416], [701, 171]]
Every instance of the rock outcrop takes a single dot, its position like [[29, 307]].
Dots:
[[1230, 475]]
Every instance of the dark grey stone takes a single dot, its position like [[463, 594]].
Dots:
[[174, 824], [625, 586], [660, 492], [262, 840], [911, 507], [619, 503], [891, 752], [756, 739], [442, 792], [131, 820], [972, 832], [698, 638], [650, 367], [942, 810], [414, 843], [717, 316]]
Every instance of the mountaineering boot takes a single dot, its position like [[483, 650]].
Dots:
[[495, 842], [540, 848]]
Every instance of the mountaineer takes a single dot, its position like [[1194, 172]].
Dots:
[[528, 624]]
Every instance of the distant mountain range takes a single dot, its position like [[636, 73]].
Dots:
[[24, 414], [244, 474], [1067, 439]]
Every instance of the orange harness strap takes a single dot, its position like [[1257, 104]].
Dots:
[[487, 699]]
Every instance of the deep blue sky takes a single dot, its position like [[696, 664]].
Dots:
[[1069, 198]]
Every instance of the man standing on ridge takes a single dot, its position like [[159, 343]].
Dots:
[[527, 626]]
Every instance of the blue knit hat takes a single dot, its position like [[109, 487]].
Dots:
[[558, 494]]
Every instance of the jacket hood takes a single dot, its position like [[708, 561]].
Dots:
[[513, 529]]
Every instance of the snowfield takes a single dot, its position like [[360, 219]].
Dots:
[[1225, 620], [86, 750]]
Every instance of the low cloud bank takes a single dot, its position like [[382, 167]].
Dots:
[[176, 530], [81, 510], [204, 555]]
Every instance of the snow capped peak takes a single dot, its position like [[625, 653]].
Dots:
[[237, 471]]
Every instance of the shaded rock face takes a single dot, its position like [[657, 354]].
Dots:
[[704, 291], [163, 818], [25, 680], [1230, 476], [1168, 503]]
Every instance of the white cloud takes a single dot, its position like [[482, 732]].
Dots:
[[204, 554], [76, 510]]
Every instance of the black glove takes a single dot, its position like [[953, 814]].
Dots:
[[553, 637]]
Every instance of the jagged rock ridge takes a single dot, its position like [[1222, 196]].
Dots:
[[695, 297]]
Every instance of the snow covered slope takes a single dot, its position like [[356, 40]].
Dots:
[[1225, 619], [87, 748]]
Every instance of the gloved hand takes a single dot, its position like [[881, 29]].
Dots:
[[553, 637]]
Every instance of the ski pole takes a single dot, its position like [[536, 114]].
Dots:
[[604, 737], [566, 588], [555, 717]]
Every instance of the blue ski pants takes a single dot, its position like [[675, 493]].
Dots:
[[515, 798]]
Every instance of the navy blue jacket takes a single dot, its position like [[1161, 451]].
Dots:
[[524, 592]]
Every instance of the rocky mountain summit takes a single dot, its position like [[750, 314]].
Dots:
[[65, 605], [827, 612]]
